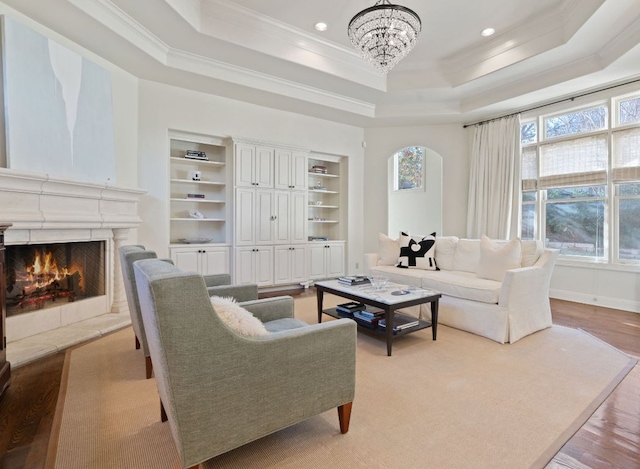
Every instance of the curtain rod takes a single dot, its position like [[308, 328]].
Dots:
[[552, 103]]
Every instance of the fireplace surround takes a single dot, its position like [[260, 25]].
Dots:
[[47, 210]]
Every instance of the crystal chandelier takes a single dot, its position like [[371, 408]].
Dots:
[[385, 33]]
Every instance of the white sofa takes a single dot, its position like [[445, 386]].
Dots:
[[504, 311]]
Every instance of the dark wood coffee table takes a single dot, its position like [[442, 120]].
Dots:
[[385, 300]]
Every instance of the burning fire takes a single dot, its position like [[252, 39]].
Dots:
[[45, 271]]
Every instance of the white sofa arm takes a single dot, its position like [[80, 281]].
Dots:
[[370, 260], [525, 293]]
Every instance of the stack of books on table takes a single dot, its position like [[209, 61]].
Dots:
[[353, 280], [369, 317], [348, 309], [400, 322]]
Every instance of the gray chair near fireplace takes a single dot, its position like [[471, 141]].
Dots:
[[219, 285], [221, 389]]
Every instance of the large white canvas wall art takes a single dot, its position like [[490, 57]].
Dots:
[[58, 109]]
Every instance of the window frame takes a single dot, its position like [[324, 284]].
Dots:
[[396, 181], [611, 199]]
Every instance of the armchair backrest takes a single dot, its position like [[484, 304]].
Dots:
[[190, 347], [128, 255]]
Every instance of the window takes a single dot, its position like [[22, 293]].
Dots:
[[574, 220], [582, 121], [529, 199], [628, 201], [581, 181], [409, 169]]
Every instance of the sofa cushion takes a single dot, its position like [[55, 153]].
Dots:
[[464, 285], [237, 318], [531, 250], [417, 252], [467, 255], [388, 250], [446, 251], [497, 258], [453, 283]]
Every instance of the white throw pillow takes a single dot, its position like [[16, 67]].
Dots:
[[446, 251], [417, 252], [496, 259], [388, 250], [531, 250], [237, 318], [467, 256]]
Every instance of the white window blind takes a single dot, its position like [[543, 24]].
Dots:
[[529, 169], [578, 162], [626, 155]]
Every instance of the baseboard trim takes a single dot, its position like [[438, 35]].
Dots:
[[605, 302]]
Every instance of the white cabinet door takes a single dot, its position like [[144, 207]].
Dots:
[[254, 265], [245, 265], [298, 228], [317, 261], [282, 169], [290, 264], [264, 265], [299, 171], [298, 264], [264, 221], [245, 216], [335, 260], [282, 213], [326, 260], [281, 264], [291, 170], [263, 167], [186, 259], [215, 261], [245, 157], [205, 261]]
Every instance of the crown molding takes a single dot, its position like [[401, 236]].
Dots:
[[223, 71], [247, 28], [105, 12], [522, 42], [190, 10]]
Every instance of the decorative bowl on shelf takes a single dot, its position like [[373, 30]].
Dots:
[[195, 240]]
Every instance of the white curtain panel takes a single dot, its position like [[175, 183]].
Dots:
[[494, 182]]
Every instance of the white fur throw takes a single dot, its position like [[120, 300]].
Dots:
[[236, 317]]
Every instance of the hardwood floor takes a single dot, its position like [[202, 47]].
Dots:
[[610, 439]]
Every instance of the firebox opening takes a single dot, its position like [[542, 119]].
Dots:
[[44, 275]]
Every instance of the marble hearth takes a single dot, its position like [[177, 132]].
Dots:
[[44, 210]]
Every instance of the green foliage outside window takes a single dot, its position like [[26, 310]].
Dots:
[[409, 168]]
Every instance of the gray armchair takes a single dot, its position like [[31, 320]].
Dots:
[[218, 285], [220, 389]]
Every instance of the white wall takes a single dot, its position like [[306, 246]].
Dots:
[[165, 107], [124, 93], [449, 141], [403, 204]]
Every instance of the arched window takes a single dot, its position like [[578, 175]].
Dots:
[[408, 166]]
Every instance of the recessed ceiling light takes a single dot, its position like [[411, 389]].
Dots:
[[321, 26], [488, 32]]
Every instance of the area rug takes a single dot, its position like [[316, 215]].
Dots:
[[459, 402]]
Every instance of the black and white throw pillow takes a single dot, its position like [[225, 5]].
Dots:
[[417, 252]]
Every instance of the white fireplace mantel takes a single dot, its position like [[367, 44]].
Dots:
[[33, 202], [45, 209]]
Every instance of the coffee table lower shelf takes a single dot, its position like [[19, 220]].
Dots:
[[333, 312]]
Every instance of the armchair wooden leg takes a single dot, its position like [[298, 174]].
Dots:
[[148, 366], [137, 343], [344, 415], [163, 413]]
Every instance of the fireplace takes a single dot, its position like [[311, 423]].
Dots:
[[61, 216], [44, 275]]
